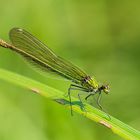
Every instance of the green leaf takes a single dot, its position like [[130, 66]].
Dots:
[[118, 127]]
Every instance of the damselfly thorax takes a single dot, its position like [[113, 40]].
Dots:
[[90, 84]]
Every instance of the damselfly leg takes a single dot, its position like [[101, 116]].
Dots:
[[98, 103], [75, 87]]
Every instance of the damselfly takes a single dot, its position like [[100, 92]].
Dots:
[[37, 53]]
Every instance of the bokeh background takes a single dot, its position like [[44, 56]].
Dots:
[[102, 37]]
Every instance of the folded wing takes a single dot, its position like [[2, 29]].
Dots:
[[43, 57]]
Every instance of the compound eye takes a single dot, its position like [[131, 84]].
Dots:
[[106, 89]]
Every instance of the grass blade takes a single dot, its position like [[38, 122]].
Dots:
[[118, 127]]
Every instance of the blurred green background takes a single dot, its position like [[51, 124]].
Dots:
[[102, 37]]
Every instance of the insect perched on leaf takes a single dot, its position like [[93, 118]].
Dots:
[[38, 54]]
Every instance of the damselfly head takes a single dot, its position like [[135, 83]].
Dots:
[[105, 88]]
